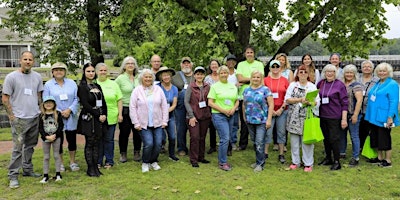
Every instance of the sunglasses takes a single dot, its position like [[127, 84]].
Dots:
[[275, 66]]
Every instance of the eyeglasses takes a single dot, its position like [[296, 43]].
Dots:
[[274, 66], [130, 63], [303, 72], [329, 71], [366, 66]]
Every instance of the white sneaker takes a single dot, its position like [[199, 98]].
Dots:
[[58, 178], [258, 168], [45, 180], [234, 147], [145, 167], [155, 166]]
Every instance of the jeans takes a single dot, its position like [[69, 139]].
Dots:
[[25, 133], [224, 126], [181, 126], [280, 122], [354, 135], [235, 127], [170, 130], [151, 138], [257, 135], [106, 146]]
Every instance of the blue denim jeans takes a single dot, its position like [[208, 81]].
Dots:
[[280, 123], [257, 135], [223, 125], [170, 130], [106, 146], [354, 135], [235, 127], [180, 118], [151, 138]]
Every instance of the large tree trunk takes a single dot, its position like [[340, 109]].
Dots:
[[93, 20]]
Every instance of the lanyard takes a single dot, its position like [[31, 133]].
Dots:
[[279, 81], [329, 91]]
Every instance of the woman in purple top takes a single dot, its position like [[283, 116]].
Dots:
[[333, 114]]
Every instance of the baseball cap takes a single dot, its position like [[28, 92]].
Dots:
[[274, 62], [59, 65], [199, 68], [231, 57], [186, 59], [49, 98]]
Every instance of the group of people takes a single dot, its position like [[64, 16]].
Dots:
[[267, 103]]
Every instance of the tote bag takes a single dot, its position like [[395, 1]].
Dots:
[[367, 151], [312, 132]]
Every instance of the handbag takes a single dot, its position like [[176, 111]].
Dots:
[[312, 132], [367, 151]]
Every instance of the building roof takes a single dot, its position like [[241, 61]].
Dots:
[[8, 37]]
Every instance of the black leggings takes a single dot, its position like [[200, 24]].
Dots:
[[71, 139]]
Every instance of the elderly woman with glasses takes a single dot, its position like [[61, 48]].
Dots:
[[332, 113], [148, 110]]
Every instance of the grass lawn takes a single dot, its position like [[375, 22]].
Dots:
[[178, 180]]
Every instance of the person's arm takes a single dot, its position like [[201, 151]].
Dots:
[[133, 108], [359, 97], [120, 107], [5, 98], [40, 99], [393, 96], [41, 128], [164, 109], [60, 127], [270, 101], [242, 79], [213, 105], [291, 76], [344, 103]]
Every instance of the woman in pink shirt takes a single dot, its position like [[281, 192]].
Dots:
[[148, 110]]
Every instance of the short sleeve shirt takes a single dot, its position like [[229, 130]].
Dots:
[[245, 68], [351, 90], [126, 86], [112, 94], [255, 104], [224, 94]]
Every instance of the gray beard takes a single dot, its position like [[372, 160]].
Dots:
[[186, 70]]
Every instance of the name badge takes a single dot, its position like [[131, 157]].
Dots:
[[275, 95], [373, 97], [185, 86], [28, 91], [325, 100], [202, 104], [99, 103], [364, 93], [63, 97], [228, 102]]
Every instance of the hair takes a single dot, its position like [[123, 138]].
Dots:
[[28, 52], [329, 67], [287, 63], [334, 54], [83, 79], [257, 72], [222, 68], [350, 68], [146, 71], [368, 62], [55, 114], [60, 65], [123, 64], [208, 70], [311, 68], [164, 72], [302, 68], [386, 66], [249, 47], [100, 65]]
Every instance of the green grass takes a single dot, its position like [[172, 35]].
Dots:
[[178, 180], [5, 134]]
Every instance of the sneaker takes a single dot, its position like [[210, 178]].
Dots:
[[107, 166], [155, 166], [204, 161], [229, 153], [342, 156], [281, 159], [276, 147], [385, 164], [74, 167], [293, 166], [375, 161], [163, 149], [45, 180], [211, 150], [98, 166], [234, 147], [145, 167], [58, 178], [14, 183], [31, 174], [258, 168], [254, 165], [173, 158], [284, 149], [195, 165], [136, 156], [225, 167], [353, 162], [123, 158], [182, 153], [308, 169], [62, 168]]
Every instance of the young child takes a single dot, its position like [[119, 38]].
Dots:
[[51, 129]]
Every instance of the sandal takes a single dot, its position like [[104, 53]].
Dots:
[[74, 167]]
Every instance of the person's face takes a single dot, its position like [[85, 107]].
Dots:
[[155, 62], [58, 73], [231, 63], [330, 75], [48, 105], [275, 69], [147, 80], [223, 76], [383, 73], [282, 60], [307, 60], [102, 72], [199, 76], [166, 77], [186, 67], [256, 79], [214, 66], [302, 74], [26, 62], [349, 76], [90, 73], [130, 66], [249, 54], [367, 68], [335, 60]]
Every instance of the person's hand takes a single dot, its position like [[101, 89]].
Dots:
[[138, 128], [102, 118], [163, 126], [344, 124], [11, 117], [279, 112], [120, 118], [65, 113], [389, 122], [192, 121], [268, 124], [232, 111], [354, 119]]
